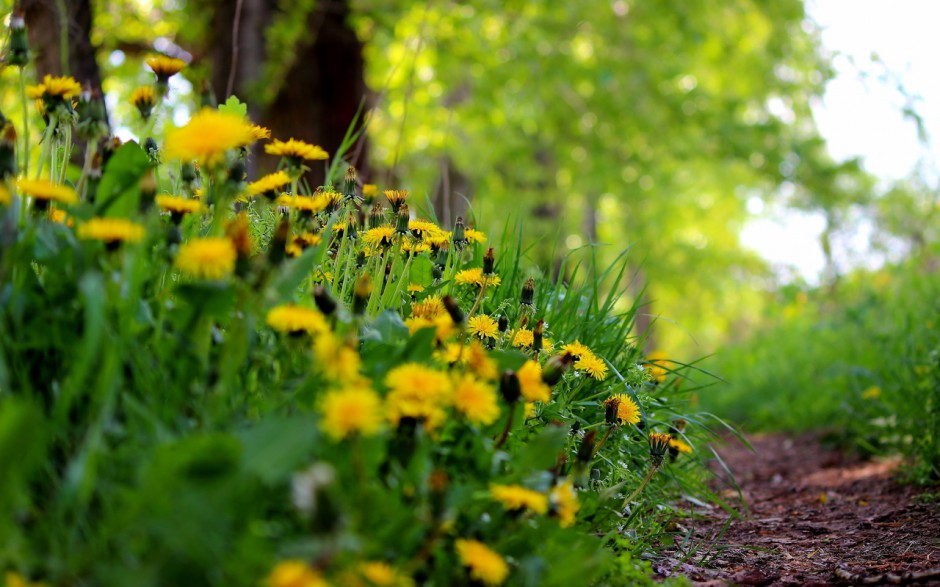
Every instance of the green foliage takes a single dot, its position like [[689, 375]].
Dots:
[[860, 360], [175, 409]]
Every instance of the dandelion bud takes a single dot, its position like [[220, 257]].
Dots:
[[18, 49], [403, 217], [437, 272], [459, 237], [453, 308], [8, 151], [555, 368], [349, 183], [502, 324], [659, 444], [92, 117], [351, 230], [509, 387], [361, 293], [586, 448], [278, 246], [612, 410], [148, 190], [152, 151], [528, 292], [376, 215], [537, 335], [324, 301], [489, 261], [360, 259]]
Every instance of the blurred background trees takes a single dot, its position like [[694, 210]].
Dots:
[[595, 125]]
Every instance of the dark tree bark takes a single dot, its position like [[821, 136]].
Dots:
[[322, 90], [44, 25]]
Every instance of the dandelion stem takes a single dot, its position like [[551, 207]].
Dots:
[[597, 448], [637, 491], [25, 102], [505, 434], [476, 304]]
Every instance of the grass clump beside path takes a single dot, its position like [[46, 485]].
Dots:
[[209, 379], [862, 360]]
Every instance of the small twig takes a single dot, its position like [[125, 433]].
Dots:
[[505, 434], [230, 86]]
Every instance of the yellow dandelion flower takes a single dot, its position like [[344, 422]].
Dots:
[[475, 277], [485, 565], [144, 99], [335, 359], [593, 365], [627, 411], [476, 400], [483, 326], [414, 246], [419, 392], [873, 392], [12, 579], [207, 137], [678, 445], [530, 410], [655, 363], [429, 307], [564, 500], [380, 236], [577, 350], [531, 384], [178, 205], [207, 258], [517, 497], [384, 575], [522, 338], [270, 183], [423, 228], [480, 362], [45, 191], [111, 230], [259, 132], [353, 409], [63, 87], [369, 191], [293, 319], [295, 573], [474, 236], [60, 217], [165, 67], [5, 197], [414, 288], [396, 198], [297, 150]]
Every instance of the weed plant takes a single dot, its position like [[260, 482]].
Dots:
[[212, 380]]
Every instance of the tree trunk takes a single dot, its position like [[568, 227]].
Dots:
[[321, 91], [44, 26]]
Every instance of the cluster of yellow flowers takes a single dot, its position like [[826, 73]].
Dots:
[[368, 252]]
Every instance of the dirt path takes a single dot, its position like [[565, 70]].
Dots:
[[816, 517]]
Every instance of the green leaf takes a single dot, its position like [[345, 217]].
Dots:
[[541, 451], [234, 106], [278, 446], [420, 271], [119, 191]]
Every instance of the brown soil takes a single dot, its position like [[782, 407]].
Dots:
[[814, 516]]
